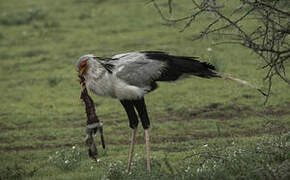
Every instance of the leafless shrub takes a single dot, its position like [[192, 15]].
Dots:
[[269, 38]]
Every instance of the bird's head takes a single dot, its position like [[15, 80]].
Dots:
[[82, 63]]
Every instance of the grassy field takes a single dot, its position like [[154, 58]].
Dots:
[[194, 120]]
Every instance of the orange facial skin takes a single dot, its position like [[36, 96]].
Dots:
[[83, 67], [82, 70]]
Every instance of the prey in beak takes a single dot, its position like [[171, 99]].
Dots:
[[81, 79], [81, 69]]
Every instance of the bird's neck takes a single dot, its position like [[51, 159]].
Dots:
[[95, 71]]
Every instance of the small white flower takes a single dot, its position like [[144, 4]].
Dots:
[[187, 169], [92, 167], [98, 160], [206, 145], [73, 147], [209, 49], [66, 161], [199, 170]]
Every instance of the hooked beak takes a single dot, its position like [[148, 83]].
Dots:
[[82, 70]]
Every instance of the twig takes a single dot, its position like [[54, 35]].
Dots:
[[269, 39]]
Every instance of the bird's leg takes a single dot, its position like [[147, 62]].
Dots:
[[147, 138], [141, 108], [133, 122], [133, 140]]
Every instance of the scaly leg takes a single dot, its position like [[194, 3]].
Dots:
[[147, 148], [133, 139], [142, 111]]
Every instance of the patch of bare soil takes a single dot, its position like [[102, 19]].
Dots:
[[224, 112], [5, 128], [40, 147], [46, 138], [213, 111], [188, 137]]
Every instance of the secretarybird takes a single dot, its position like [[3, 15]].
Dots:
[[129, 76]]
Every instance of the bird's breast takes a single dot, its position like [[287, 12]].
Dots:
[[123, 90], [112, 86]]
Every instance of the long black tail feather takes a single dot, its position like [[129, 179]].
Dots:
[[190, 65], [178, 65]]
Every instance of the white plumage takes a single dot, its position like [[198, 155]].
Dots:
[[129, 76]]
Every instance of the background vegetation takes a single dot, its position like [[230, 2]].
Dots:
[[201, 128]]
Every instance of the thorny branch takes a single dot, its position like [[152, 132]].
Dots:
[[269, 38]]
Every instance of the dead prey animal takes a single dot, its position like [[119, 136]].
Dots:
[[93, 123]]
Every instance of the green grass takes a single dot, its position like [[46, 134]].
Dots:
[[41, 112]]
